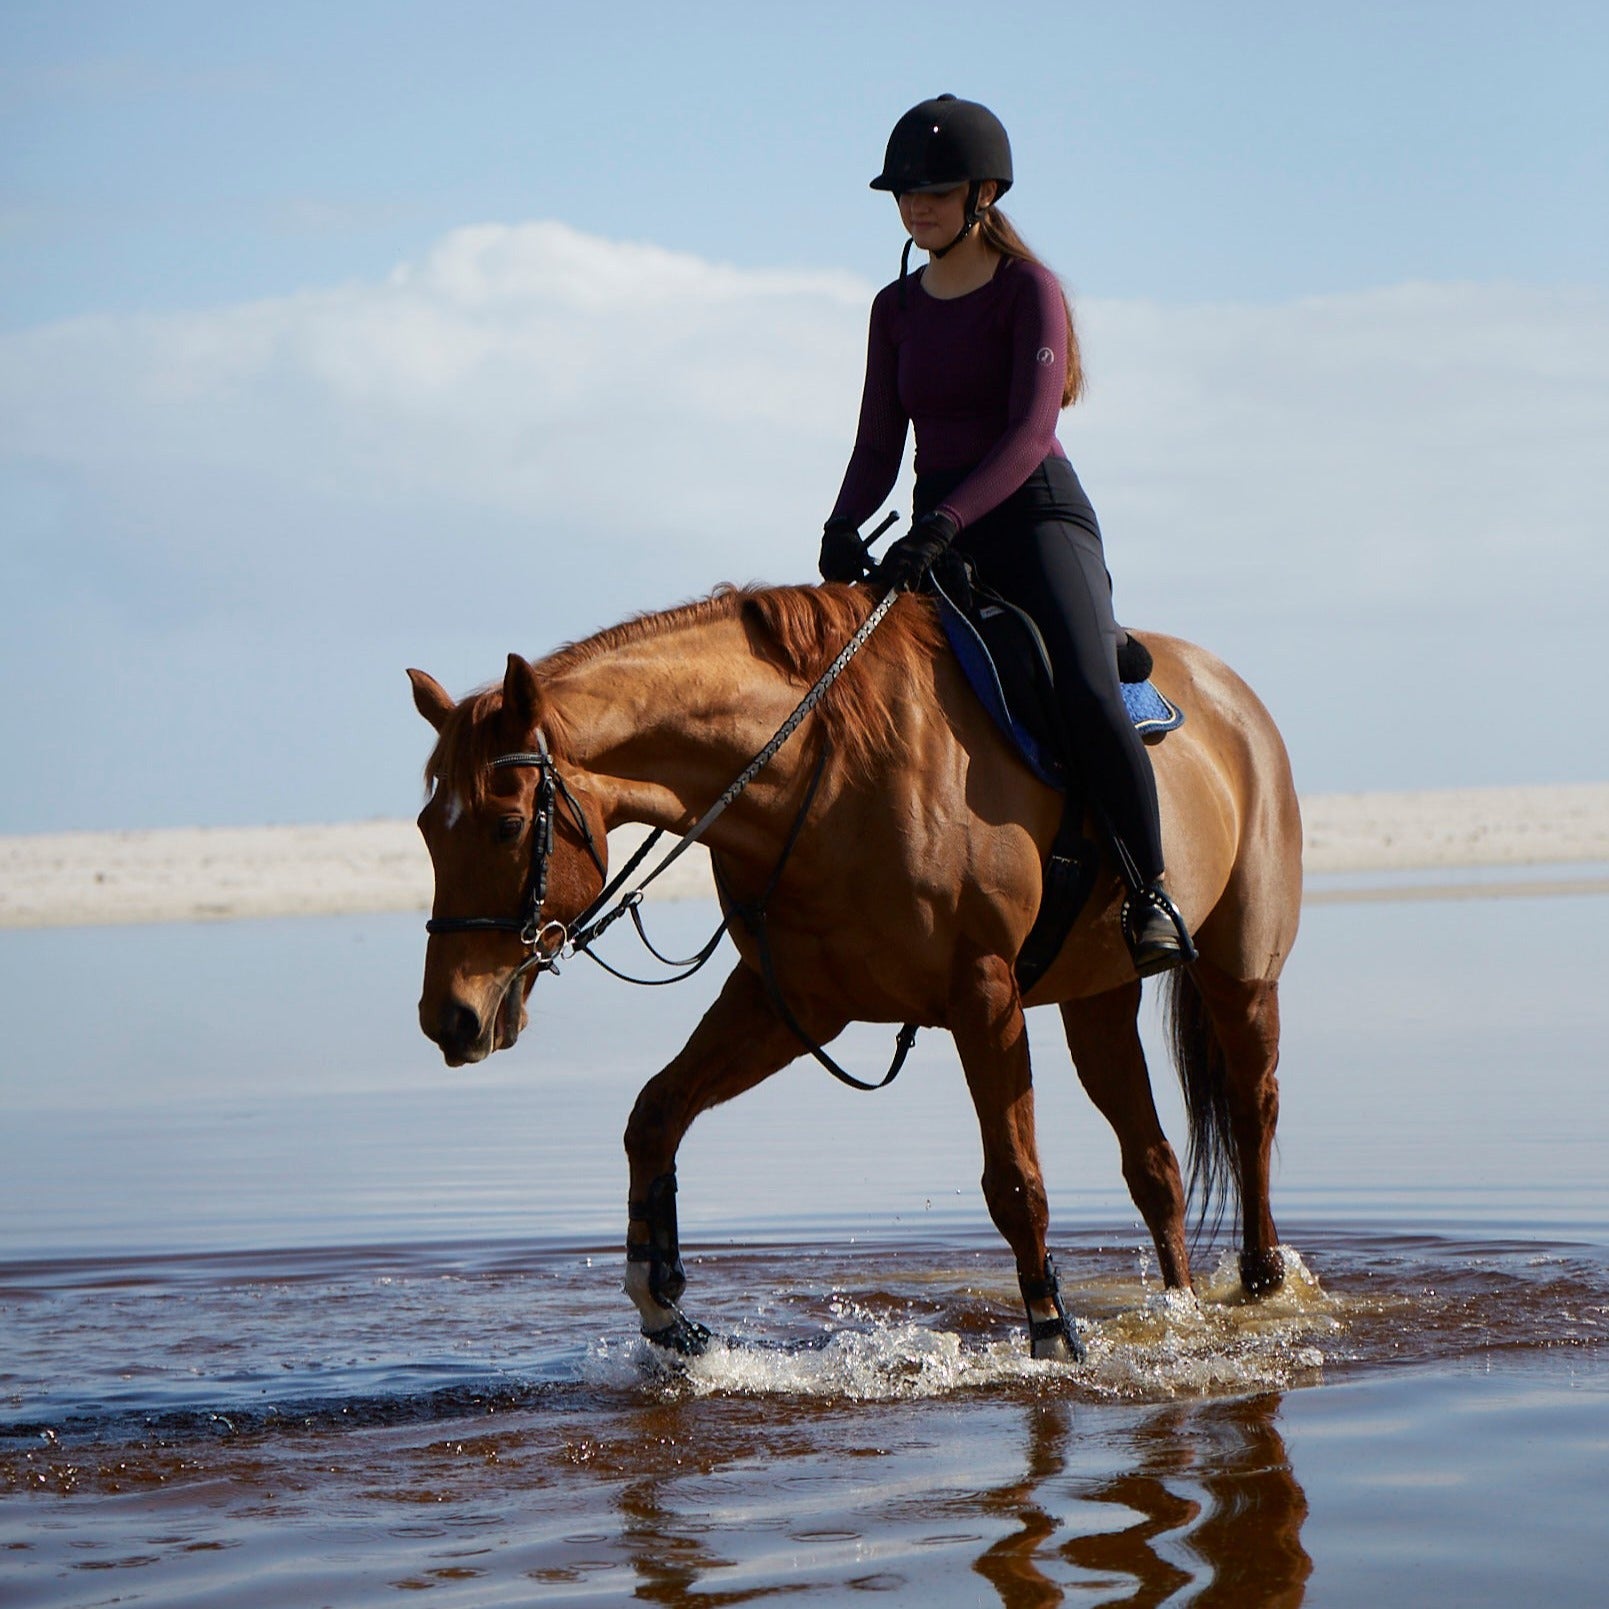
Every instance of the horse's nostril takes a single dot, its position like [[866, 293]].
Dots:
[[459, 1028]]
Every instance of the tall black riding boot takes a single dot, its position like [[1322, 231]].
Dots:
[[1155, 929]]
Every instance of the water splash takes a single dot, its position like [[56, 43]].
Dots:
[[883, 1363], [1145, 1344], [1217, 1341]]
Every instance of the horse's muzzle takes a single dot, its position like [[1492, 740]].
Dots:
[[460, 1033], [466, 1034]]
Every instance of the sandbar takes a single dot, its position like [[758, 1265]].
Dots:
[[1357, 846]]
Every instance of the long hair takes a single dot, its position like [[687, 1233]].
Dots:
[[1000, 233]]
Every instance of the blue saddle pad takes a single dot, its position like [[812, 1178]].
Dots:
[[1151, 713]]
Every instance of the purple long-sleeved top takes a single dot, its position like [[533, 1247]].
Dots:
[[979, 375]]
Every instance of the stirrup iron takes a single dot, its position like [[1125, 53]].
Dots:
[[1155, 931]]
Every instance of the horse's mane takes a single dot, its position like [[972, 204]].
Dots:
[[798, 630]]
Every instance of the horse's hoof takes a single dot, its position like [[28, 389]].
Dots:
[[1262, 1272], [1055, 1340], [682, 1335]]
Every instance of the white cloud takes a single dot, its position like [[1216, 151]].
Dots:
[[1394, 442], [530, 431], [530, 372], [1404, 448]]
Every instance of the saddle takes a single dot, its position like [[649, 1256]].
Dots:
[[1003, 657]]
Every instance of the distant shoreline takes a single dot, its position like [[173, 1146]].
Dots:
[[1359, 845]]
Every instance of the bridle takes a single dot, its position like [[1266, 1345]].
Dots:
[[551, 941], [545, 940], [550, 787]]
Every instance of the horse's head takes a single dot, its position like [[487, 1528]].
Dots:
[[518, 850]]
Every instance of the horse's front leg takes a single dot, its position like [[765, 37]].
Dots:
[[991, 1035], [655, 1279], [739, 1043]]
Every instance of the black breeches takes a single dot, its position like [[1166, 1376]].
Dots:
[[1041, 549]]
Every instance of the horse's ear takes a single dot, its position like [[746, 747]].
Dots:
[[430, 698], [521, 694]]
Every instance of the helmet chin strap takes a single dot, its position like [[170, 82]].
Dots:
[[966, 228], [943, 251]]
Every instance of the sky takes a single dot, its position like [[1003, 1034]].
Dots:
[[339, 338]]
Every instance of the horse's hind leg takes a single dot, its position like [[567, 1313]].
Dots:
[[1104, 1038], [739, 1043], [986, 1020], [1244, 1018]]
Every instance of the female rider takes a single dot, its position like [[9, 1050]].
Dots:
[[977, 349]]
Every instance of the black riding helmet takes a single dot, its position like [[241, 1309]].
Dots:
[[939, 144], [945, 142]]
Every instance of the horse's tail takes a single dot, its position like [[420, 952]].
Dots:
[[1198, 1056]]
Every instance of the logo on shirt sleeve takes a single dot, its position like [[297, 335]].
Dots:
[[1045, 356]]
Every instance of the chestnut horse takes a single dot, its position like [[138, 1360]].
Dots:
[[912, 881]]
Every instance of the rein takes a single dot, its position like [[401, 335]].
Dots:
[[552, 941]]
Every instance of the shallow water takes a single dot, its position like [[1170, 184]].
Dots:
[[480, 1418], [289, 1314]]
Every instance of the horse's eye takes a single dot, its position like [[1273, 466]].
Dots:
[[509, 828]]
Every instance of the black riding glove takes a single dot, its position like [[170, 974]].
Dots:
[[843, 557], [915, 553]]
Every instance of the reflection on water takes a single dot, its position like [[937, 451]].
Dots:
[[1210, 1483], [1010, 1564], [1198, 1496], [1252, 1534]]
